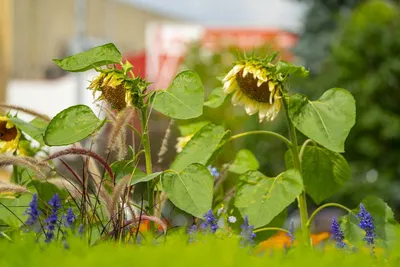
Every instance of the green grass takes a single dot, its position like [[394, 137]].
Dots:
[[176, 252]]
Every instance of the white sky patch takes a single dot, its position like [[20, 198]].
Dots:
[[284, 14]]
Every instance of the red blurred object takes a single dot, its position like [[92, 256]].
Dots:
[[138, 60]]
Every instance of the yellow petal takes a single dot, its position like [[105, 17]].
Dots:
[[271, 86], [237, 98], [246, 70], [251, 108], [259, 83], [233, 72], [229, 86]]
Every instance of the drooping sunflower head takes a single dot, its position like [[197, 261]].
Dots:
[[9, 135], [118, 89], [257, 85]]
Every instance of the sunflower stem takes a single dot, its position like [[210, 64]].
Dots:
[[149, 168], [301, 199]]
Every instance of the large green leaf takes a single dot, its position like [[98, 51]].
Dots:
[[190, 127], [203, 147], [286, 68], [244, 161], [125, 167], [34, 129], [216, 98], [12, 210], [328, 120], [184, 97], [191, 190], [324, 172], [352, 232], [95, 57], [71, 125], [262, 198]]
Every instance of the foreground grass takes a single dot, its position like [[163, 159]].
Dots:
[[207, 251]]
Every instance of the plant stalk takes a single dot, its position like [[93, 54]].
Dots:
[[301, 199], [149, 168]]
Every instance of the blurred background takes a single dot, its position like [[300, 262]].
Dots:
[[345, 43]]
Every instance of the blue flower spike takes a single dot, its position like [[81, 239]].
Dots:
[[210, 221], [337, 233], [33, 211], [247, 232], [51, 221], [367, 224], [69, 218]]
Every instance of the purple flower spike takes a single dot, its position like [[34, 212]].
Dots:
[[247, 232], [51, 221], [367, 224], [33, 211], [69, 218], [337, 234], [210, 221]]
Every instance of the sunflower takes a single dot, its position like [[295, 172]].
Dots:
[[9, 135], [118, 89], [256, 84]]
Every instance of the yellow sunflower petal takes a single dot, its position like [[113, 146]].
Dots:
[[251, 108], [233, 72], [229, 86]]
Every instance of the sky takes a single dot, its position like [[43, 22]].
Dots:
[[284, 14]]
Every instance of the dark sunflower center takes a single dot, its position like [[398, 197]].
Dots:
[[115, 96], [7, 134], [248, 85]]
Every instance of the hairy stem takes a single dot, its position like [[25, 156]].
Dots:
[[301, 199], [149, 168]]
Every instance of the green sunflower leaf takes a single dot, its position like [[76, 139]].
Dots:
[[183, 99], [202, 147], [327, 120], [244, 161], [191, 190], [71, 125], [286, 68], [216, 98], [12, 211], [34, 128], [262, 198], [190, 127], [324, 172], [123, 168], [95, 57]]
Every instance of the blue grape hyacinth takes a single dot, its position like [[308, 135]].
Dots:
[[210, 221], [367, 224], [33, 211], [247, 233], [337, 233]]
